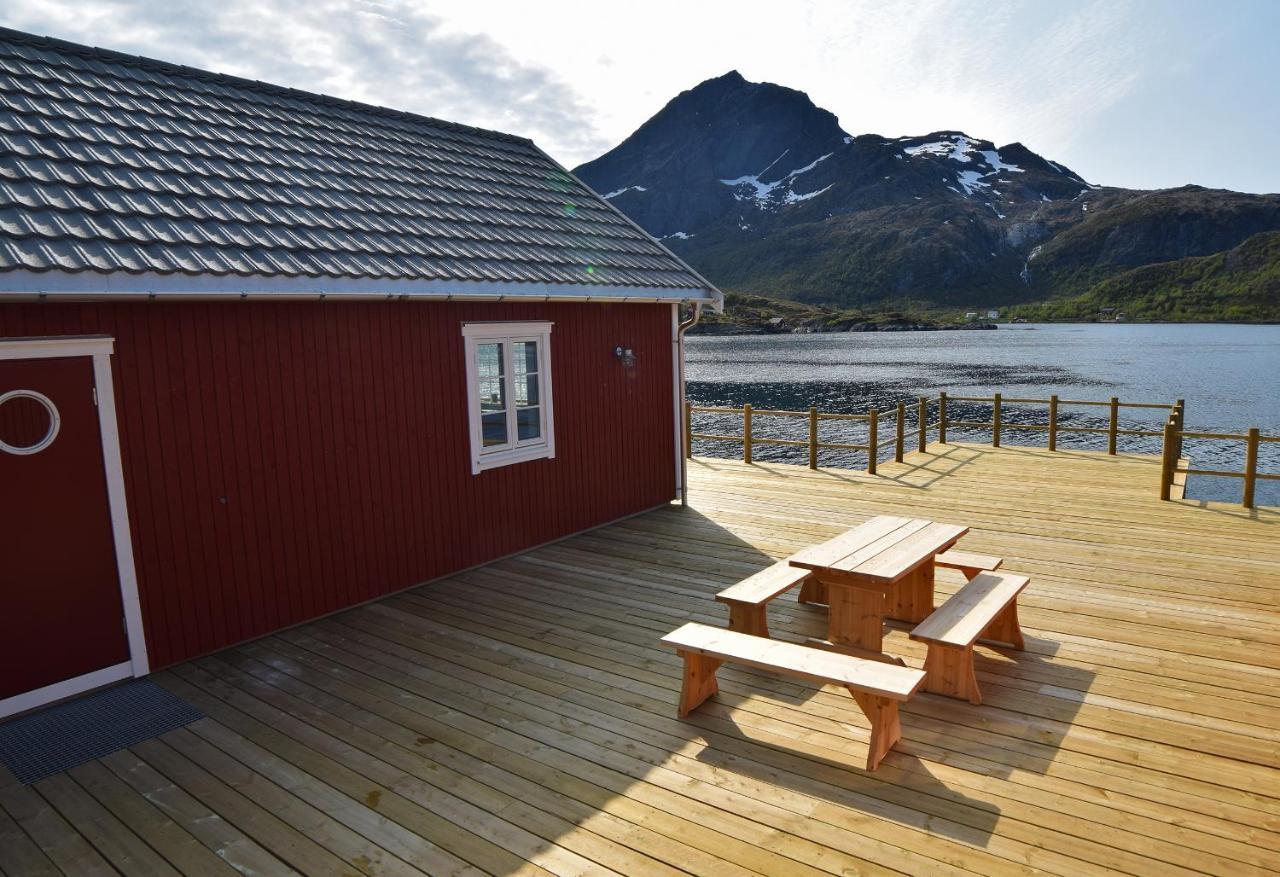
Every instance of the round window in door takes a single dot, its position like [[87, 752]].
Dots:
[[29, 422]]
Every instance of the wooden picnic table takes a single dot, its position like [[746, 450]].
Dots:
[[877, 570]]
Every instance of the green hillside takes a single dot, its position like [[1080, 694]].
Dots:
[[1241, 284]]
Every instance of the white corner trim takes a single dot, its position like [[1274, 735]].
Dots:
[[676, 397], [50, 348], [29, 700]]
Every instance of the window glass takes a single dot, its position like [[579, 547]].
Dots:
[[526, 390], [528, 423], [526, 357], [490, 367]]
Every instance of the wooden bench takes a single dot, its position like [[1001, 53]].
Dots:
[[987, 609], [877, 687], [967, 562], [748, 598]]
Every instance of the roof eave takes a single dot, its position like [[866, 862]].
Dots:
[[22, 284]]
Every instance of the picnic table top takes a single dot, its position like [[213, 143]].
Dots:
[[884, 549]]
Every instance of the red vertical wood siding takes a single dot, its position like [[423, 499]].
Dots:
[[284, 460]]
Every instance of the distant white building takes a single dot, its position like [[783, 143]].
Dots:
[[993, 314], [970, 316]]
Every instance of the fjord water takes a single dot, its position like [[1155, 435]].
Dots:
[[1228, 374]]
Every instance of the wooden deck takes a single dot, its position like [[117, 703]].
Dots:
[[520, 718]]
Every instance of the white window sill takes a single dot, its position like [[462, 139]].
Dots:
[[497, 459]]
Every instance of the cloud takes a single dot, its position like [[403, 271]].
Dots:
[[385, 52]]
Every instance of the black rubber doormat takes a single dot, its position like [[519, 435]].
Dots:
[[69, 734]]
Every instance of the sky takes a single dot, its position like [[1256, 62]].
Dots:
[[1135, 93]]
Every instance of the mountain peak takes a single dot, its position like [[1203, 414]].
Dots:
[[724, 129], [733, 76]]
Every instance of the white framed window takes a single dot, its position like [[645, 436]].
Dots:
[[509, 393]]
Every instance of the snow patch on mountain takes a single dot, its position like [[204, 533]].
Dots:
[[792, 197], [996, 164], [972, 181], [616, 193], [956, 149], [762, 193]]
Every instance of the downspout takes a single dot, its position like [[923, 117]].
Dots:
[[684, 461]]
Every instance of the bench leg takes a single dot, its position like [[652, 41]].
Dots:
[[949, 670], [1004, 628], [970, 572], [912, 595], [813, 591], [749, 619], [886, 730], [699, 681]]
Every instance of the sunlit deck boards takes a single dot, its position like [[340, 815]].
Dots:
[[519, 718]]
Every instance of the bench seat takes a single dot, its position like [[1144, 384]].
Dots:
[[967, 562], [877, 687], [987, 609], [748, 599]]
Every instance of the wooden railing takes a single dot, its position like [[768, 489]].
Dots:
[[1173, 433], [873, 445], [1053, 427], [1171, 459]]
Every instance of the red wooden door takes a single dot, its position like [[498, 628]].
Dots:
[[62, 614]]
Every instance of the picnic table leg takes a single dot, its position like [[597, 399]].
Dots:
[[949, 670], [813, 591], [699, 681], [886, 729], [1004, 628], [912, 595], [856, 617]]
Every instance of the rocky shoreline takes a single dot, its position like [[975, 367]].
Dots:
[[729, 328]]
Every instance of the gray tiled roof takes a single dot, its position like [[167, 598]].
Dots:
[[112, 163]]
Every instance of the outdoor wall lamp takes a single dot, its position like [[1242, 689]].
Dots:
[[625, 355]]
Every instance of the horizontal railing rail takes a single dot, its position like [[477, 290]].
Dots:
[[1174, 467]]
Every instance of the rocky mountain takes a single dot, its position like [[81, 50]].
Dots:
[[765, 193]]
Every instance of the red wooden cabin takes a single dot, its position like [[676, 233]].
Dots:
[[266, 354]]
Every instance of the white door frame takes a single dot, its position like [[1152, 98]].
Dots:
[[100, 348]]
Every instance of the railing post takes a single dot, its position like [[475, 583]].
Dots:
[[746, 433], [1113, 425], [1053, 423], [813, 437], [1250, 466], [902, 432], [942, 418], [873, 438], [688, 430], [1179, 411], [1168, 462], [995, 421], [924, 423]]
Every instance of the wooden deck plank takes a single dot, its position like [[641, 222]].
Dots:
[[519, 718]]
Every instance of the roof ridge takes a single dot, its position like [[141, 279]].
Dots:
[[255, 85]]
